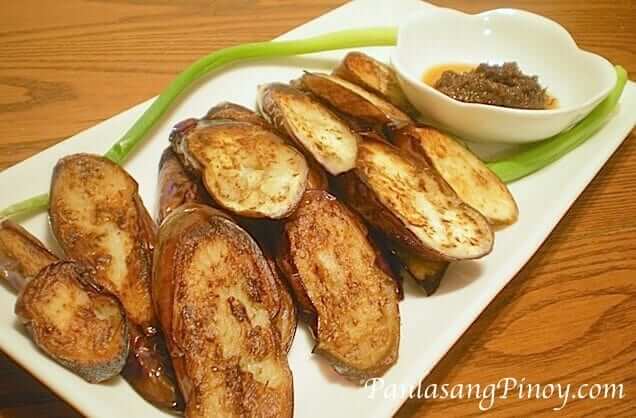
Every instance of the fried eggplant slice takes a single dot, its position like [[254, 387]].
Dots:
[[22, 256], [316, 179], [471, 179], [99, 219], [426, 273], [215, 296], [75, 322], [247, 169], [376, 77], [353, 100], [343, 290], [316, 130], [176, 185], [411, 204]]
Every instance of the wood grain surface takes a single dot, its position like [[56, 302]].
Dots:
[[568, 317]]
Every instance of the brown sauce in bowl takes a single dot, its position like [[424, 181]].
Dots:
[[497, 85]]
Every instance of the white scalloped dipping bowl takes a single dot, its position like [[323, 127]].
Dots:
[[578, 79]]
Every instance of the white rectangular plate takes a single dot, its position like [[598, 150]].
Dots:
[[429, 325]]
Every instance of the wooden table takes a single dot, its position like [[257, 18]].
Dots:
[[568, 317]]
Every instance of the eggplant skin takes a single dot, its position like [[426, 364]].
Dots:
[[149, 370], [411, 204], [215, 296], [391, 263], [341, 286], [99, 219], [78, 324], [22, 256], [176, 185]]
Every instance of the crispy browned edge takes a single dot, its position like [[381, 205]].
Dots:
[[355, 63], [361, 198], [173, 231], [349, 102], [94, 371], [22, 255], [307, 311], [316, 179], [148, 369]]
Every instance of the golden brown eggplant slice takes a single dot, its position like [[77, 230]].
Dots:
[[216, 296], [410, 203], [376, 77], [319, 132], [342, 287], [75, 322], [316, 178], [176, 185], [471, 179], [247, 169], [22, 256], [353, 100], [98, 218]]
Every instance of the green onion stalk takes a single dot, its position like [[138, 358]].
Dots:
[[511, 168], [538, 155]]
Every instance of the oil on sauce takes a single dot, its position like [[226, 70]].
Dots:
[[433, 74]]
